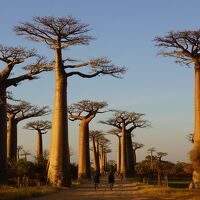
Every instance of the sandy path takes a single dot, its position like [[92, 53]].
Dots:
[[122, 191]]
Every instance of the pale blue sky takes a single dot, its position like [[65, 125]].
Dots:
[[124, 32]]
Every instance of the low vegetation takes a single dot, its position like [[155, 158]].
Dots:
[[24, 192]]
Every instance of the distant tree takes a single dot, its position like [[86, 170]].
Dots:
[[95, 135], [25, 153], [19, 148], [117, 132], [15, 114], [184, 46], [127, 122], [84, 111], [41, 127], [151, 150], [160, 155], [190, 137], [136, 146], [12, 57], [59, 34]]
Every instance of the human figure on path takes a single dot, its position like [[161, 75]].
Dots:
[[111, 179], [96, 179]]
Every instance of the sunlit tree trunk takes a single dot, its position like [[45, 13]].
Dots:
[[39, 147], [94, 154], [123, 153], [102, 161], [130, 158], [3, 135], [12, 138], [119, 156], [84, 151], [196, 174], [98, 157], [59, 166]]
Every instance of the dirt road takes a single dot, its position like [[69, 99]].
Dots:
[[122, 190]]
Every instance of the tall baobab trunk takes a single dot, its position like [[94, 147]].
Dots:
[[130, 158], [94, 154], [3, 135], [98, 157], [84, 151], [12, 139], [123, 153], [59, 166], [119, 156], [102, 161], [196, 174], [39, 147]]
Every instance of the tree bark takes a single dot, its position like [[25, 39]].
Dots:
[[84, 151], [102, 161], [98, 157], [94, 154], [39, 147], [130, 158], [59, 161], [12, 138], [196, 174], [119, 156], [134, 156], [123, 153], [3, 134]]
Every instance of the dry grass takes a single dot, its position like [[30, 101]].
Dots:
[[161, 193], [10, 193]]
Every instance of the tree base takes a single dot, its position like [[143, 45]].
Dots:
[[195, 184]]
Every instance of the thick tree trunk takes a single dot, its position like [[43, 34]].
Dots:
[[39, 147], [12, 139], [59, 161], [94, 154], [102, 161], [84, 151], [119, 156], [98, 157], [123, 153], [3, 135], [130, 158], [196, 173]]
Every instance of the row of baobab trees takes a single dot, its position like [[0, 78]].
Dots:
[[59, 34]]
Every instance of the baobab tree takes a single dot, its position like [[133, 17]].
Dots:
[[136, 146], [94, 136], [59, 34], [84, 111], [15, 114], [117, 133], [151, 150], [19, 148], [160, 155], [12, 57], [41, 127], [127, 122], [184, 46]]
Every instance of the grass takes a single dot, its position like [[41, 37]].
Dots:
[[11, 193], [163, 193]]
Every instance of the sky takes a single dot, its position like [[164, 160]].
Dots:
[[124, 32]]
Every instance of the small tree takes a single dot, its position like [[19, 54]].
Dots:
[[117, 133], [59, 34], [95, 136], [151, 150], [17, 113], [41, 127], [136, 146]]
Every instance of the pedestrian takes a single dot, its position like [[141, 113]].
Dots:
[[111, 179], [96, 179]]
